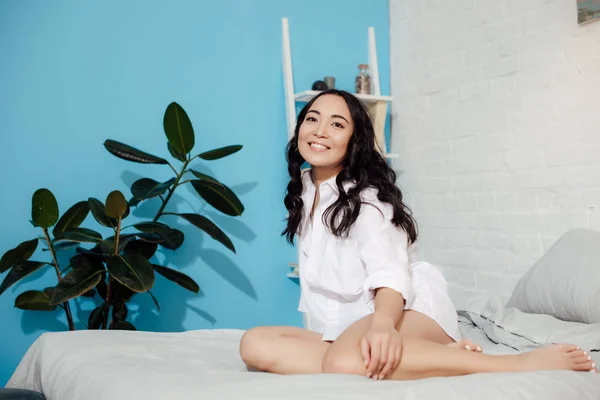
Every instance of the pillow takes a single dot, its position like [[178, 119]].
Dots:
[[565, 282]]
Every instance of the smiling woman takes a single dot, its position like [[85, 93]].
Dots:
[[373, 308]]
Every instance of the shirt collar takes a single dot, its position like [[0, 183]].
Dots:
[[307, 180]]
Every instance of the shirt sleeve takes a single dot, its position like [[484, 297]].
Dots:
[[383, 249]]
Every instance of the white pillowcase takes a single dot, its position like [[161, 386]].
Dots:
[[565, 282]]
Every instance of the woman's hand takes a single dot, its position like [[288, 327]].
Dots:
[[381, 349]]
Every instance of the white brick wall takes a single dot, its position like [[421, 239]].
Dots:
[[496, 120]]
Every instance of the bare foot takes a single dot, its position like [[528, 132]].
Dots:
[[558, 356], [465, 345]]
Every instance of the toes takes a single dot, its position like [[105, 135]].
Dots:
[[469, 346], [577, 354], [582, 360], [586, 366], [570, 348]]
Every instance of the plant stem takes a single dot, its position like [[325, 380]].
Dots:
[[164, 204], [67, 308], [174, 170], [110, 279], [107, 303], [184, 182]]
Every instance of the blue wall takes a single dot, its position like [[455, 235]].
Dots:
[[76, 73]]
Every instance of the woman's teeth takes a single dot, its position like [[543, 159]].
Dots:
[[318, 146]]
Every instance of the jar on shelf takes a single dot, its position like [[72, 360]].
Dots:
[[363, 80]]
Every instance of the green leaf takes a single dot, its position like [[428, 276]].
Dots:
[[151, 227], [219, 196], [72, 218], [123, 325], [121, 292], [95, 252], [150, 237], [79, 235], [119, 311], [133, 202], [154, 300], [171, 239], [96, 317], [157, 232], [108, 245], [129, 153], [44, 208], [205, 177], [90, 293], [64, 246], [220, 152], [19, 272], [209, 227], [48, 291], [98, 211], [34, 300], [178, 128], [116, 205], [74, 284], [20, 253], [147, 188], [83, 261], [142, 247], [176, 154], [178, 277], [102, 289], [132, 271]]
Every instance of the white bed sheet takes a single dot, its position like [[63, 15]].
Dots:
[[205, 364]]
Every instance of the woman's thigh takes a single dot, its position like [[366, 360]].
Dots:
[[283, 350], [344, 355]]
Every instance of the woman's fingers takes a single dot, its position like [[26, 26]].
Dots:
[[391, 361], [365, 350], [375, 357], [383, 359]]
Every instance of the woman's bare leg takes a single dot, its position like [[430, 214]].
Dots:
[[423, 358], [283, 350]]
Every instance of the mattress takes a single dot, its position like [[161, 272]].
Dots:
[[205, 364]]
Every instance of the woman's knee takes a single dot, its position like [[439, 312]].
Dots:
[[254, 346], [343, 363]]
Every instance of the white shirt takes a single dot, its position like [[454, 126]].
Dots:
[[338, 276]]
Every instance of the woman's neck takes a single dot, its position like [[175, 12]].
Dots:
[[322, 174]]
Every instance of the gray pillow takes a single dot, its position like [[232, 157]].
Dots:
[[565, 282]]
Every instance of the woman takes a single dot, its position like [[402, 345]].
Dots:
[[373, 309]]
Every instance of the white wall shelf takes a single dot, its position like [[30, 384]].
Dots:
[[307, 96]]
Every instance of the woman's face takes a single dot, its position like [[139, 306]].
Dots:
[[324, 134]]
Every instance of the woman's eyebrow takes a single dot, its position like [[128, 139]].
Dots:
[[333, 116], [339, 116]]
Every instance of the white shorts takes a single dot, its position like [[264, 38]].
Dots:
[[431, 299]]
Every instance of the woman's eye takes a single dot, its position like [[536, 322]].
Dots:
[[338, 125], [311, 119]]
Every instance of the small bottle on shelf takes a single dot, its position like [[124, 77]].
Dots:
[[363, 80]]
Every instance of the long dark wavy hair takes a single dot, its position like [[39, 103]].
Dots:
[[363, 164]]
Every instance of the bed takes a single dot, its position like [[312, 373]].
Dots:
[[556, 301], [204, 364]]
